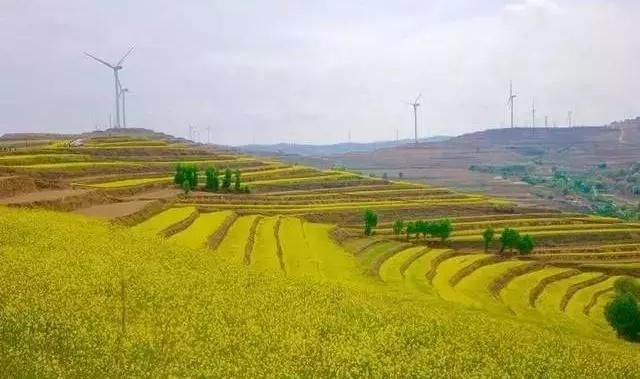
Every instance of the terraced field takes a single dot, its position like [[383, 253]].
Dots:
[[300, 223]]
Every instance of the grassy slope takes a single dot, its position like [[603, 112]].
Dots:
[[64, 296]]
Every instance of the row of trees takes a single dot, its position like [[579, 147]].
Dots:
[[441, 229], [213, 184], [509, 239], [186, 176]]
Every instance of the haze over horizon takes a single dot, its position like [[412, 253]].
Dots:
[[283, 71]]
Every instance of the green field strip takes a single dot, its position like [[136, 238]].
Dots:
[[197, 235], [304, 179], [391, 269], [124, 183], [74, 165], [593, 249], [448, 268], [596, 314], [234, 242], [357, 245], [265, 250], [415, 274], [465, 229], [331, 207], [496, 286], [324, 191], [573, 289], [279, 251], [550, 300], [371, 258], [249, 245], [477, 284], [483, 221], [553, 233], [516, 294], [579, 306], [31, 159], [570, 228], [574, 257], [159, 223], [595, 298]]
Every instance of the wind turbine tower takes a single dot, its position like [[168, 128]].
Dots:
[[533, 115], [415, 106], [115, 67], [123, 92], [569, 118], [511, 101], [546, 121]]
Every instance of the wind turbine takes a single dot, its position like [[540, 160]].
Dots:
[[123, 92], [115, 67], [510, 100], [415, 106]]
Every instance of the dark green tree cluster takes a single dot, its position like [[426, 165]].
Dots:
[[212, 181], [623, 312], [370, 220], [230, 181], [186, 177], [510, 239], [441, 229]]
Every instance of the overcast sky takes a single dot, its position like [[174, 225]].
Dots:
[[310, 71]]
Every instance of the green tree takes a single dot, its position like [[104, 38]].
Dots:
[[623, 314], [178, 178], [421, 227], [441, 229], [398, 227], [370, 218], [236, 183], [410, 229], [487, 236], [628, 285], [226, 180], [509, 239], [212, 182], [186, 187], [525, 245]]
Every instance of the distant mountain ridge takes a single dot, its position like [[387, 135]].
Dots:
[[330, 149]]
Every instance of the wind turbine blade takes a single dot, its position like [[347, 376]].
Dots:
[[126, 55], [418, 98], [99, 60]]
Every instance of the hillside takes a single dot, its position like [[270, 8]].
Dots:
[[338, 148], [154, 281]]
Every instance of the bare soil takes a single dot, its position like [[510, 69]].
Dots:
[[113, 210]]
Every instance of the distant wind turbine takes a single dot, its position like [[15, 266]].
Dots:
[[510, 100], [123, 92], [115, 67], [415, 106]]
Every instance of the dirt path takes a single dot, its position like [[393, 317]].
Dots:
[[155, 194], [37, 196], [114, 210]]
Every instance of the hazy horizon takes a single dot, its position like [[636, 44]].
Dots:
[[282, 71]]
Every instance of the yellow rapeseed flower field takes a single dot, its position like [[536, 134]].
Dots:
[[81, 298]]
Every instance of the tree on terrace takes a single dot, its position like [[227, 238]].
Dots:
[[370, 218]]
